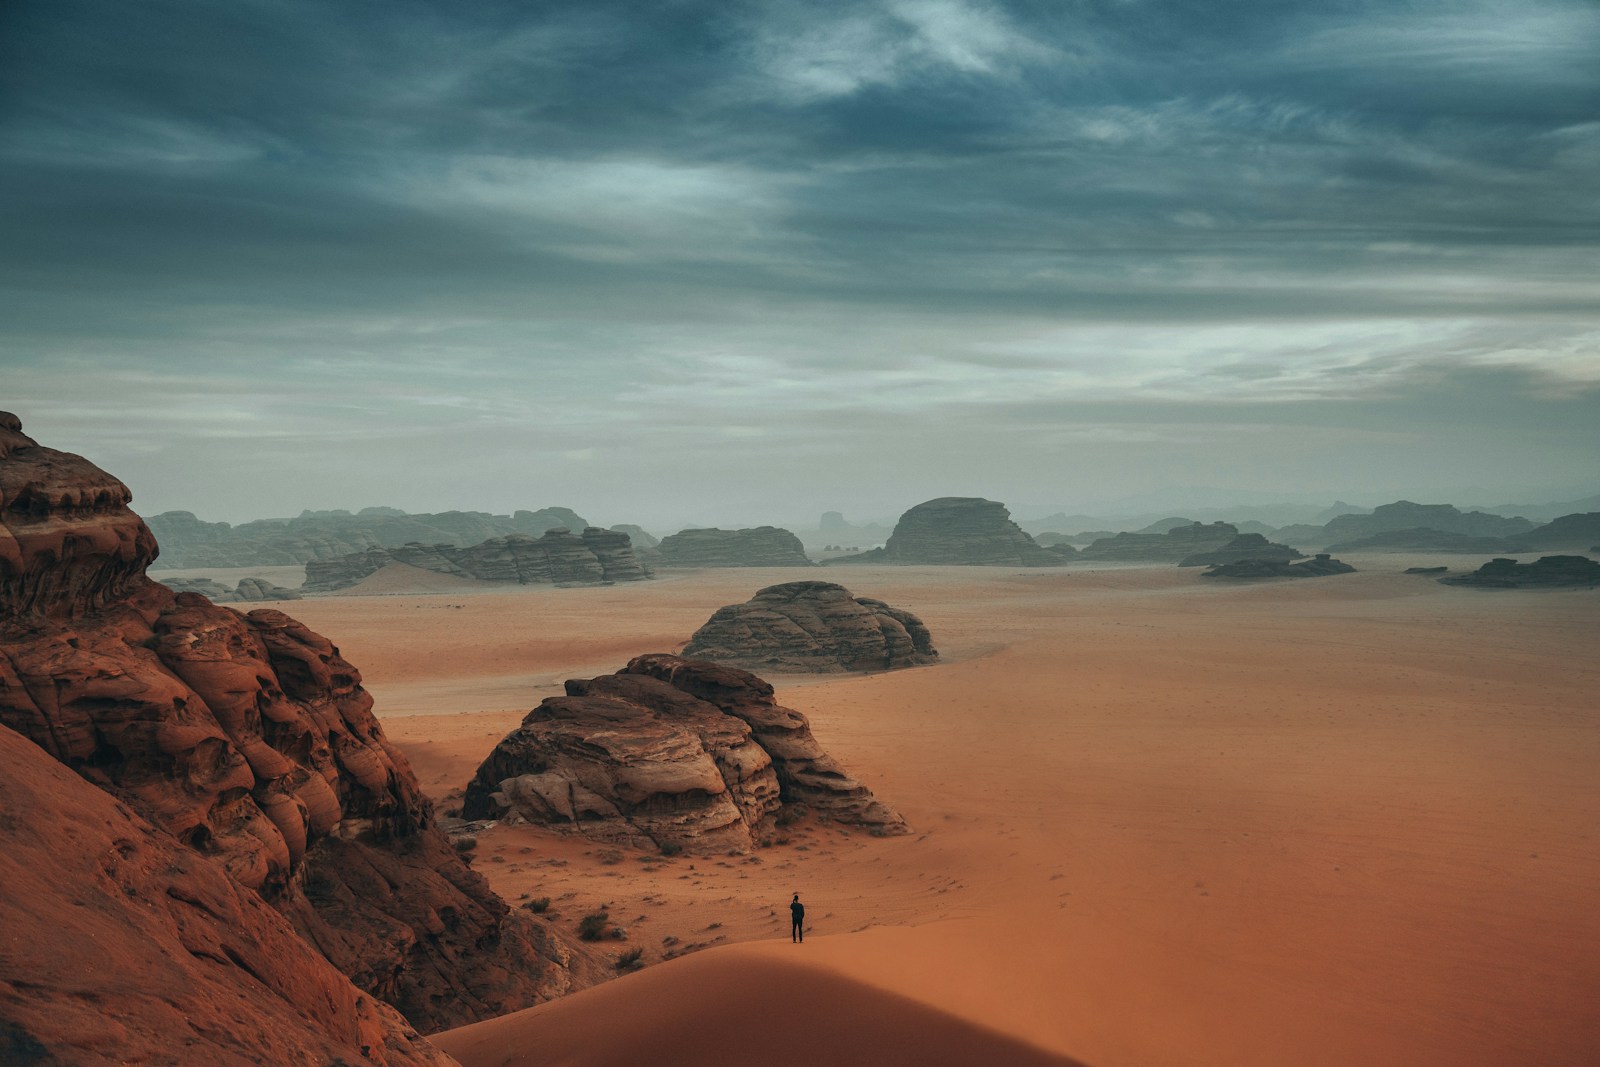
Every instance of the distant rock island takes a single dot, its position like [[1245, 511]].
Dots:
[[961, 531], [186, 541], [597, 557], [1547, 572], [1247, 546], [812, 627], [248, 590], [1320, 566], [1424, 540], [762, 546], [1178, 543], [1405, 515], [668, 753]]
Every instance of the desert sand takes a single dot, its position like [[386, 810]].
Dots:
[[1159, 820]]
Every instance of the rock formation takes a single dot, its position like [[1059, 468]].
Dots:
[[1568, 531], [763, 546], [597, 557], [249, 739], [815, 627], [1318, 567], [1404, 515], [124, 945], [1247, 546], [1177, 544], [1548, 572], [248, 590], [1423, 539], [667, 752], [188, 542], [962, 531]]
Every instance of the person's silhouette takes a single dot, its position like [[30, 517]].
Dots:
[[797, 915]]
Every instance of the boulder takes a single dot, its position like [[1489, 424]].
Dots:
[[1178, 543], [1547, 572], [1247, 546], [1319, 566], [812, 627], [763, 546], [249, 739], [960, 531], [668, 753]]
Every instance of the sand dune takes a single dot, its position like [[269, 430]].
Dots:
[[1160, 820]]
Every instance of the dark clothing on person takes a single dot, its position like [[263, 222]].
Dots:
[[797, 914]]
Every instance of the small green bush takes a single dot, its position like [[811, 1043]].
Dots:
[[539, 905], [592, 927]]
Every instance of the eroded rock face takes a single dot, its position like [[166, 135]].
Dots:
[[1179, 543], [668, 752], [960, 531], [248, 590], [250, 739], [814, 627], [1547, 572], [761, 546], [559, 556], [1252, 546], [1319, 566], [124, 945]]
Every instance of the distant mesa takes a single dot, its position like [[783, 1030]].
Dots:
[[187, 541], [248, 590], [761, 546], [1176, 544], [963, 531], [1547, 572], [1320, 566], [1423, 539], [668, 753], [1246, 546], [1569, 531], [247, 740], [560, 557], [638, 536], [1405, 515], [812, 627]]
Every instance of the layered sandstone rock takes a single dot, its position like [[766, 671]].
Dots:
[[1251, 546], [1177, 544], [1320, 566], [248, 738], [961, 531], [668, 752], [1547, 572], [120, 944], [597, 557], [815, 627], [762, 546]]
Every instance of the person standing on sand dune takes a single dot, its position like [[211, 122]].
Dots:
[[797, 915]]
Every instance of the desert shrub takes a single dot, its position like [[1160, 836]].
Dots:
[[592, 927], [539, 905], [630, 960], [670, 848], [610, 857], [466, 844]]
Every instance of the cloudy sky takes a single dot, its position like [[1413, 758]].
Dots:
[[743, 262]]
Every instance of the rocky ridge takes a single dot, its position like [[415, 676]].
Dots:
[[761, 546], [1424, 540], [1246, 546], [1179, 543], [1547, 572], [249, 740], [597, 557], [668, 753], [1320, 566], [248, 590], [959, 531], [812, 627]]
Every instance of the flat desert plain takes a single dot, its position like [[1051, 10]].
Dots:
[[1158, 819]]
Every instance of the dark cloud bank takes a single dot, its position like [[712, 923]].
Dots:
[[732, 262]]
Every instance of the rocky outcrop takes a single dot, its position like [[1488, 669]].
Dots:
[[762, 546], [249, 739], [597, 557], [1568, 531], [124, 945], [960, 531], [1247, 546], [1177, 544], [248, 590], [188, 542], [669, 753], [1424, 540], [1320, 566], [1405, 515], [812, 627], [1547, 572]]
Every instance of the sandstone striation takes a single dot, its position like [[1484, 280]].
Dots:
[[1319, 566], [762, 546], [1179, 543], [1547, 572], [961, 531], [668, 752], [597, 557], [1247, 546], [249, 739], [814, 627]]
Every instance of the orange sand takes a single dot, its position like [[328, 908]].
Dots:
[[1160, 819]]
